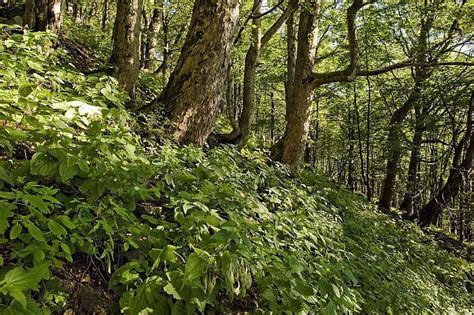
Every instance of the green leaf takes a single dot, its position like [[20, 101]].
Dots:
[[336, 290], [56, 228], [304, 289], [67, 171], [169, 254], [23, 280], [43, 164], [6, 211], [65, 248], [26, 90], [18, 296], [35, 232], [171, 290], [34, 65], [194, 268], [15, 231]]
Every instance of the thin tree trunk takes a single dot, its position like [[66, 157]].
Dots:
[[105, 9], [126, 49], [251, 61], [359, 136], [350, 158], [291, 55], [411, 188], [193, 93], [152, 39], [395, 149]]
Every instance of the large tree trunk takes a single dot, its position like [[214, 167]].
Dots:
[[459, 171], [411, 188], [193, 93], [126, 49], [43, 15], [290, 149]]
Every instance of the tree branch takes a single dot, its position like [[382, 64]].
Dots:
[[292, 6]]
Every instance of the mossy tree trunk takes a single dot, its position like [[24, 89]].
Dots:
[[126, 47], [193, 93]]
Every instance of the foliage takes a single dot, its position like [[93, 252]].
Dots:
[[182, 230]]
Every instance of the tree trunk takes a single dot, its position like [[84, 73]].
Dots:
[[411, 189], [152, 39], [43, 15], [290, 149], [251, 60], [350, 158], [193, 93], [430, 212], [105, 15], [126, 49], [291, 55], [394, 148]]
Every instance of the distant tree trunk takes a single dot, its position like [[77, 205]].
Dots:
[[258, 41], [193, 93], [152, 39], [272, 118], [459, 171], [394, 130], [359, 136], [350, 158], [42, 15], [411, 188], [105, 15], [290, 149], [291, 55], [395, 149], [126, 47]]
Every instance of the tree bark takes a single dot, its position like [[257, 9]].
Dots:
[[43, 15], [193, 93], [412, 187], [126, 49], [459, 171], [105, 10], [152, 38]]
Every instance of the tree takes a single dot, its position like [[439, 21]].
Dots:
[[458, 173], [42, 15], [290, 149], [241, 133], [126, 47], [193, 93]]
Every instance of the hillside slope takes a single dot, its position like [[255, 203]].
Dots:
[[95, 218]]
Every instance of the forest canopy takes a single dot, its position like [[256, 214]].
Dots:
[[236, 156]]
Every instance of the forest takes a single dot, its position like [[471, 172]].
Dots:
[[236, 157]]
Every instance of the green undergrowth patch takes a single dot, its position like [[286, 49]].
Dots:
[[179, 230]]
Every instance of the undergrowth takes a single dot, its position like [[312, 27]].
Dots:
[[180, 230]]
